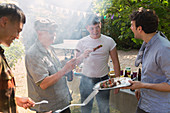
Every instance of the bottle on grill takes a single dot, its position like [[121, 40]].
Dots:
[[132, 76], [125, 74], [121, 72], [69, 76], [139, 74], [128, 71]]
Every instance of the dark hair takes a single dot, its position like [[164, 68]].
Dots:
[[93, 20], [145, 18], [13, 12]]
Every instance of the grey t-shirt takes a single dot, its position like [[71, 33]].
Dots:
[[40, 64]]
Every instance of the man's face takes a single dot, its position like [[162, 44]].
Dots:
[[94, 30], [11, 31], [47, 37], [135, 30]]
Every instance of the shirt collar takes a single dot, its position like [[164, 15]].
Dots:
[[40, 46], [153, 39]]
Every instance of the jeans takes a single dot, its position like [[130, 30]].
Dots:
[[86, 87]]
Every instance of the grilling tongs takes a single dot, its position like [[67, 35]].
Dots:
[[86, 101]]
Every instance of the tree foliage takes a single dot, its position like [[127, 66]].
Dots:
[[116, 22], [14, 52]]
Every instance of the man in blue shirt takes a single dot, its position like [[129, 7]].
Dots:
[[153, 91]]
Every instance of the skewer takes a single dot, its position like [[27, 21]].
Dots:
[[94, 49]]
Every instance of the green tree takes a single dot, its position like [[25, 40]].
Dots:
[[119, 26], [14, 52]]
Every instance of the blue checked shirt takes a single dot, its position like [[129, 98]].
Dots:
[[156, 69]]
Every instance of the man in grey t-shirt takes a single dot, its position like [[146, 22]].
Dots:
[[46, 80]]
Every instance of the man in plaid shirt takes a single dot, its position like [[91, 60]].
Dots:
[[12, 20]]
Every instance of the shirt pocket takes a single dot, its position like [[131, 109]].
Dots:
[[52, 69]]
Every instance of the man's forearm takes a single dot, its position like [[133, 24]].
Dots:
[[51, 80], [165, 87], [117, 70]]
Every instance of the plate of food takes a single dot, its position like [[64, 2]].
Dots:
[[112, 83]]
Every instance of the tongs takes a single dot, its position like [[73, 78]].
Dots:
[[86, 101], [41, 102]]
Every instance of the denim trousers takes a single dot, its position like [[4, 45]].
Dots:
[[86, 88]]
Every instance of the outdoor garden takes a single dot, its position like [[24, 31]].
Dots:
[[115, 23]]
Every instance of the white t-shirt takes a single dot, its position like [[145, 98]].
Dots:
[[96, 65]]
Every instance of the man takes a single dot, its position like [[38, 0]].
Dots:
[[95, 64], [12, 20], [45, 75], [153, 91]]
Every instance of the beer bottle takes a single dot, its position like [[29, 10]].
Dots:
[[131, 76], [128, 70], [69, 76], [125, 74], [133, 80], [121, 72], [139, 74], [134, 74]]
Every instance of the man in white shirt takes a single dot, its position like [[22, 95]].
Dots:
[[95, 64]]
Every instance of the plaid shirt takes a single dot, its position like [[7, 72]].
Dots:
[[7, 86]]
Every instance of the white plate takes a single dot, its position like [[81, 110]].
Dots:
[[124, 83]]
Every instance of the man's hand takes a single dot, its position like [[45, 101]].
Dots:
[[86, 53], [25, 102], [70, 65], [116, 90], [137, 94], [82, 56], [134, 85]]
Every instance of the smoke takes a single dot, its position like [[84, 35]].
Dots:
[[70, 15]]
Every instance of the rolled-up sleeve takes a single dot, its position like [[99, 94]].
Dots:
[[36, 68]]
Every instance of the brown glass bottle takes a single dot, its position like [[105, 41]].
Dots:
[[125, 74], [139, 74], [132, 76]]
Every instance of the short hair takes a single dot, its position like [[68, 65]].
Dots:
[[13, 12], [93, 20], [42, 24], [145, 18]]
